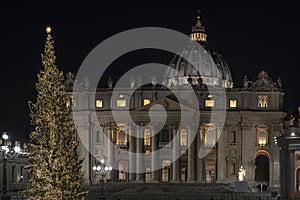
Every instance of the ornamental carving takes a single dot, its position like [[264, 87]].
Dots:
[[262, 83]]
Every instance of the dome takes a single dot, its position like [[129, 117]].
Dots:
[[201, 62]]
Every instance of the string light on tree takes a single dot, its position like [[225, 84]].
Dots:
[[54, 164]]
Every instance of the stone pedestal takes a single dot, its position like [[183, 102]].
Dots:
[[241, 186]]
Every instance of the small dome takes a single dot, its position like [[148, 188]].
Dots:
[[201, 62]]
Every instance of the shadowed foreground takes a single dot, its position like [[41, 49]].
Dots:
[[126, 191]]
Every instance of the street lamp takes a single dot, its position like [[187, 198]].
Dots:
[[102, 169], [4, 154]]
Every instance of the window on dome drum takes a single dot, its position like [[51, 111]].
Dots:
[[146, 102], [99, 103], [232, 103], [121, 103], [183, 137], [147, 137], [262, 101], [262, 137]]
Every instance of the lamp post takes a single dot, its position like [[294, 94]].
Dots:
[[102, 169], [4, 154]]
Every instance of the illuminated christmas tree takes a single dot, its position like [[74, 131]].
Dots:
[[54, 165]]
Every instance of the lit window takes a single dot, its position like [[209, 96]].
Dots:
[[99, 103], [232, 103], [209, 103], [262, 137], [147, 137], [121, 138], [147, 151], [121, 103], [262, 101], [147, 101], [183, 137]]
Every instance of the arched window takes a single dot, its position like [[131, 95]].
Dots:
[[209, 134], [183, 137], [147, 137], [262, 101], [121, 138], [262, 136]]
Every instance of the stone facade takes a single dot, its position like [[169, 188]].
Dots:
[[253, 120], [17, 176]]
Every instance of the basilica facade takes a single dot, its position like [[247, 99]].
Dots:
[[253, 120]]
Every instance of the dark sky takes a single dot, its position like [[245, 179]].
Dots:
[[251, 37]]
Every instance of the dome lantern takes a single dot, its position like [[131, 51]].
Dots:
[[198, 31]]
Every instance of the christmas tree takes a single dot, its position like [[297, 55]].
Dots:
[[54, 164]]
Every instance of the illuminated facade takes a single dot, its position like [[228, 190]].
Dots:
[[253, 119], [17, 176]]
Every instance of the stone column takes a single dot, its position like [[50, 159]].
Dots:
[[191, 167], [139, 157], [290, 184], [199, 159], [154, 156], [220, 173], [110, 151], [176, 153], [132, 151]]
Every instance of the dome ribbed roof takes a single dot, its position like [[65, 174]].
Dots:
[[201, 61]]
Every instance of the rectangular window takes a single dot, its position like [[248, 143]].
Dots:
[[209, 103], [147, 137], [99, 103], [232, 103], [147, 151], [146, 102], [121, 103]]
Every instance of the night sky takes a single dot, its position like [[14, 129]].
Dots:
[[251, 37]]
